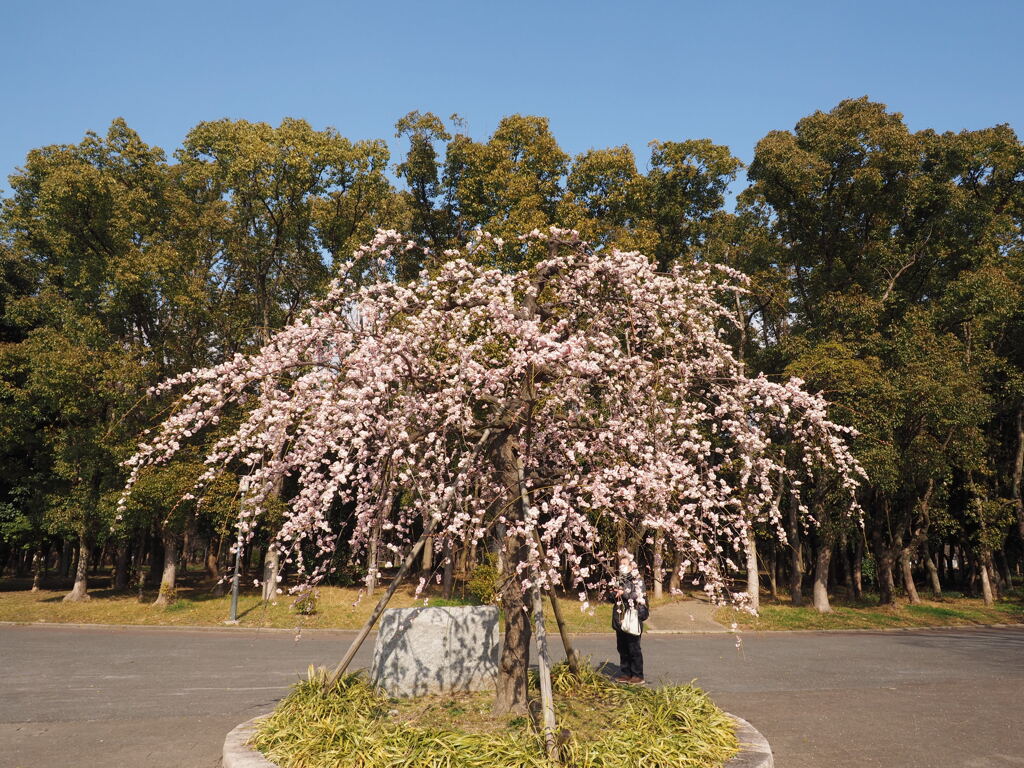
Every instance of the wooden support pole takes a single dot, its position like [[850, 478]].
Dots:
[[547, 700]]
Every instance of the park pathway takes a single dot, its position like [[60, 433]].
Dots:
[[164, 698]]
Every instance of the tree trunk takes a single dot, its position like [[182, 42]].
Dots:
[[986, 584], [121, 566], [515, 650], [170, 570], [821, 567], [675, 579], [753, 577], [1018, 473], [271, 572], [858, 568], [906, 566], [659, 575], [796, 564], [933, 571], [80, 591], [212, 568], [156, 559], [372, 566], [773, 565], [37, 569]]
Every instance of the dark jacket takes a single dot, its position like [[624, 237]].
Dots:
[[633, 595]]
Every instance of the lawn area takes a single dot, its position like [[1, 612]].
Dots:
[[338, 608], [952, 610]]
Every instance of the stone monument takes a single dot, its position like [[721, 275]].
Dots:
[[422, 651]]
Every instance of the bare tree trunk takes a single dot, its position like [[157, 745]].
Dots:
[[753, 577], [773, 565], [986, 584], [844, 548], [64, 563], [933, 571], [121, 566], [796, 571], [1004, 565], [821, 567], [675, 579], [659, 575], [448, 577], [170, 570], [37, 568], [1018, 472], [271, 572], [907, 567], [212, 569], [80, 591]]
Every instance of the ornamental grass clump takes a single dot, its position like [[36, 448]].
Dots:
[[604, 725]]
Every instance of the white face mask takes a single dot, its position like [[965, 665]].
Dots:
[[624, 569]]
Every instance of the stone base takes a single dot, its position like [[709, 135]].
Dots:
[[425, 651]]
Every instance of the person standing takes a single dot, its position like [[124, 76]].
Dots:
[[628, 615]]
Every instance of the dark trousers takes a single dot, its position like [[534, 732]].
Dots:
[[631, 658]]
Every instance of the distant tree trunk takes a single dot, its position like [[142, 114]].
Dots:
[[847, 562], [156, 559], [858, 568], [170, 570], [821, 567], [80, 591], [933, 571], [675, 579], [271, 572], [796, 564], [773, 557], [212, 567], [64, 563], [37, 568], [1018, 473], [753, 577], [121, 566], [1004, 564], [659, 575], [907, 567], [986, 584]]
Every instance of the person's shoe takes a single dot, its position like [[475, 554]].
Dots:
[[622, 679], [637, 680]]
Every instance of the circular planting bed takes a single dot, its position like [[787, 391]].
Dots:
[[601, 724]]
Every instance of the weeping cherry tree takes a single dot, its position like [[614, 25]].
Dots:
[[538, 407]]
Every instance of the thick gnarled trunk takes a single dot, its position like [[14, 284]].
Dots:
[[515, 650]]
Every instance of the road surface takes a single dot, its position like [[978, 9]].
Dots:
[[165, 698]]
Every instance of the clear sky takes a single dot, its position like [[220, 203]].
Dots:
[[605, 73]]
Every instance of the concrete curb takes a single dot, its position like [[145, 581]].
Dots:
[[754, 749], [237, 752]]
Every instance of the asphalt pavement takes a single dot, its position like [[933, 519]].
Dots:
[[165, 698]]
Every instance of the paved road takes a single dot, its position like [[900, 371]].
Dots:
[[165, 698]]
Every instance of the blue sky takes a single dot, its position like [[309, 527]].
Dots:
[[605, 73]]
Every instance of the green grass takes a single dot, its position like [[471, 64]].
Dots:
[[952, 610], [196, 605], [604, 725]]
